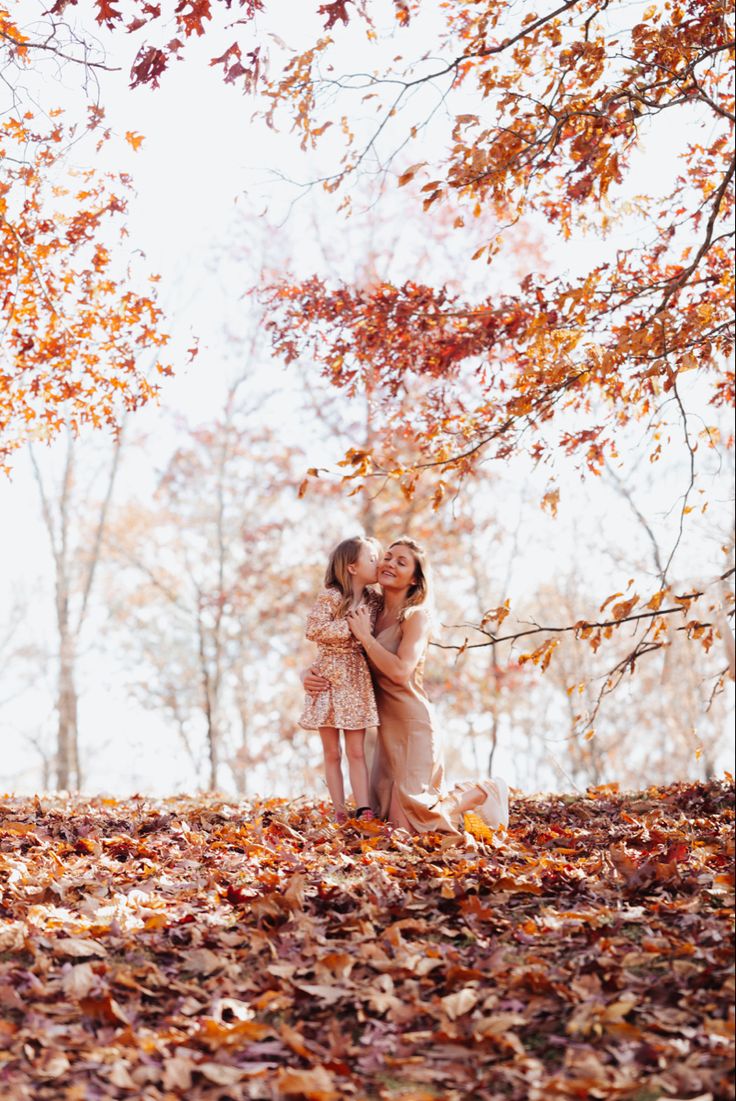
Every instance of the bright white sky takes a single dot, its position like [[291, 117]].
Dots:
[[202, 171]]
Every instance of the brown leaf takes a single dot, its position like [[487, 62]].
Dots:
[[77, 946], [220, 1074], [324, 993], [178, 1072], [293, 896], [104, 1009], [624, 607], [294, 1039], [119, 1076], [461, 1002], [410, 173], [316, 1084], [203, 961], [12, 936], [54, 1064], [79, 980]]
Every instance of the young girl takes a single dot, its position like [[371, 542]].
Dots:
[[348, 704]]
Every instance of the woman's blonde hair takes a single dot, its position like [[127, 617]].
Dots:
[[419, 591], [337, 574]]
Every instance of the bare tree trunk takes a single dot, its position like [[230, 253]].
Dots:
[[367, 498], [494, 667], [494, 671], [67, 754], [46, 761], [239, 767], [67, 750], [59, 515], [222, 554], [213, 734], [213, 743], [729, 646], [209, 708]]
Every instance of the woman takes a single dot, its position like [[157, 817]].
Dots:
[[407, 776]]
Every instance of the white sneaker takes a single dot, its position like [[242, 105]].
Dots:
[[495, 810]]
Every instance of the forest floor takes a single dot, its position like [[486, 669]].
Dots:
[[215, 951]]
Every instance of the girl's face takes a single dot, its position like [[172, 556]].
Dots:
[[397, 568], [365, 567]]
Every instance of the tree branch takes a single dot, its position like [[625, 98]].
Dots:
[[581, 625]]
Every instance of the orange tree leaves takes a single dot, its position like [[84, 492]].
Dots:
[[565, 102], [568, 105], [554, 106], [568, 99], [78, 337], [519, 366], [183, 947]]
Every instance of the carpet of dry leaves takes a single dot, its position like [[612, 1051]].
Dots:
[[216, 951]]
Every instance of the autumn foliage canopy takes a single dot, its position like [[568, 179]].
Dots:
[[82, 333], [563, 99], [550, 116]]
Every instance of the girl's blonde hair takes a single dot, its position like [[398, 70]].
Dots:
[[419, 591], [337, 574]]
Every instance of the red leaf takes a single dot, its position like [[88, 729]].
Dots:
[[334, 11], [148, 66]]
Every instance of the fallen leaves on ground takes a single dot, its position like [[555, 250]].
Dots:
[[217, 951]]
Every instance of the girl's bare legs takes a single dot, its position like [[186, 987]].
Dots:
[[333, 767], [357, 769]]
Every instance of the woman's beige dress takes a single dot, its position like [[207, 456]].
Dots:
[[407, 759]]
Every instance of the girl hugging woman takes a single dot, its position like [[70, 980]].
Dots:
[[348, 703]]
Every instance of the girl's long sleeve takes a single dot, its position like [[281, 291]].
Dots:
[[323, 627]]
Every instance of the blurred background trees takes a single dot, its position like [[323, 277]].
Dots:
[[155, 581]]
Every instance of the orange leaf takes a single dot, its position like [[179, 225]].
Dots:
[[316, 1084], [410, 173], [623, 609]]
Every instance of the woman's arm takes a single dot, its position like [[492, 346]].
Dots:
[[400, 666], [313, 682], [321, 623]]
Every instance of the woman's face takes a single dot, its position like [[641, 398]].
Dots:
[[397, 568]]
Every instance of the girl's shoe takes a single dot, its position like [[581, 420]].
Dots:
[[364, 814]]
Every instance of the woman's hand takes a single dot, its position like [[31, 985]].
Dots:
[[359, 623], [314, 682]]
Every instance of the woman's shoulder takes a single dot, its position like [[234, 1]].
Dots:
[[417, 621]]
